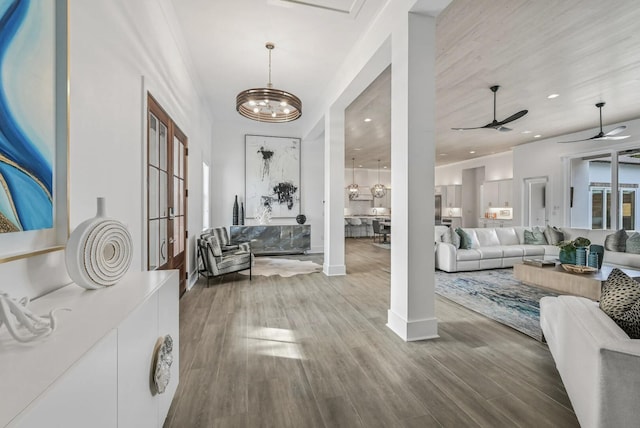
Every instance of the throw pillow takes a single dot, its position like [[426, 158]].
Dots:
[[633, 243], [451, 237], [534, 237], [616, 241], [553, 235], [465, 239], [620, 300]]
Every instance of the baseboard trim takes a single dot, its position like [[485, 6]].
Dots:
[[411, 331], [334, 270]]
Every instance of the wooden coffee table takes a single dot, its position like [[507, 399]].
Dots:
[[588, 285]]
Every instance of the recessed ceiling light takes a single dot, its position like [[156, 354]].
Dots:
[[472, 151], [526, 132], [537, 136], [552, 96], [443, 154], [357, 149], [359, 166], [368, 119], [384, 167]]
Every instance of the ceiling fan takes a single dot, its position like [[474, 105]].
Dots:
[[498, 126], [611, 135]]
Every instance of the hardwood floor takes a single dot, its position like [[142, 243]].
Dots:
[[314, 351]]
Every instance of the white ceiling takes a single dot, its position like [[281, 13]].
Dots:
[[585, 50]]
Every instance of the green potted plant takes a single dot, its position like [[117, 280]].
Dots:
[[568, 249]]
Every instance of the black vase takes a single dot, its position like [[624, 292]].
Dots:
[[242, 213], [235, 212], [301, 218]]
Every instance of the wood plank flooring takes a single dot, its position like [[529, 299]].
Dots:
[[314, 351]]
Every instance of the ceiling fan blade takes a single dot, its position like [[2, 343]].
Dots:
[[608, 137], [513, 117], [573, 141], [467, 129], [595, 137], [615, 131]]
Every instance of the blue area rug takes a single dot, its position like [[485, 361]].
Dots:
[[497, 295]]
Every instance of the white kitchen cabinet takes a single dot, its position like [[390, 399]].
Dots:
[[453, 198], [95, 369], [496, 194], [86, 396], [490, 194], [505, 189]]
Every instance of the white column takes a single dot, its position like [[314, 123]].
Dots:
[[334, 193], [412, 305]]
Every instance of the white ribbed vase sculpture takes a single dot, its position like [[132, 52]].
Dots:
[[99, 251]]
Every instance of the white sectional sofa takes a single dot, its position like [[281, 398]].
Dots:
[[504, 246], [597, 361]]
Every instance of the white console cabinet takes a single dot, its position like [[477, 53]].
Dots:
[[95, 369]]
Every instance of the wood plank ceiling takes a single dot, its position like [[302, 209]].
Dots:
[[584, 50]]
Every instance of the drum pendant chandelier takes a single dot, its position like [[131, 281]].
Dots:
[[269, 104]]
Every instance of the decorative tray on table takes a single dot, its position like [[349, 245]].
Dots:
[[579, 269]]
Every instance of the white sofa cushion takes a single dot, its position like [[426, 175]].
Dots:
[[512, 250], [507, 236], [466, 255], [532, 250], [490, 252], [622, 259], [487, 238]]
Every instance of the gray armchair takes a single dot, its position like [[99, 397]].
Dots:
[[223, 238], [216, 262]]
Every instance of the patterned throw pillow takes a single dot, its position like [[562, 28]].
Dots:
[[451, 237], [620, 300], [553, 235], [616, 241], [633, 243], [534, 237], [465, 239]]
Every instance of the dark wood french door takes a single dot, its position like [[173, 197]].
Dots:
[[167, 193]]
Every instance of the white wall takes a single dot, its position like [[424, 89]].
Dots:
[[113, 43], [227, 171], [496, 167], [548, 158], [366, 177]]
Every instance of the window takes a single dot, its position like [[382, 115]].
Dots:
[[205, 196], [598, 207]]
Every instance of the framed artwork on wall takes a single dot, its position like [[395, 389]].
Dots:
[[272, 176], [33, 128]]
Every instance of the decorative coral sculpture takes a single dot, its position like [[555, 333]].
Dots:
[[23, 324]]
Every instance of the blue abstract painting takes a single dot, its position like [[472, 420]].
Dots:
[[27, 114]]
